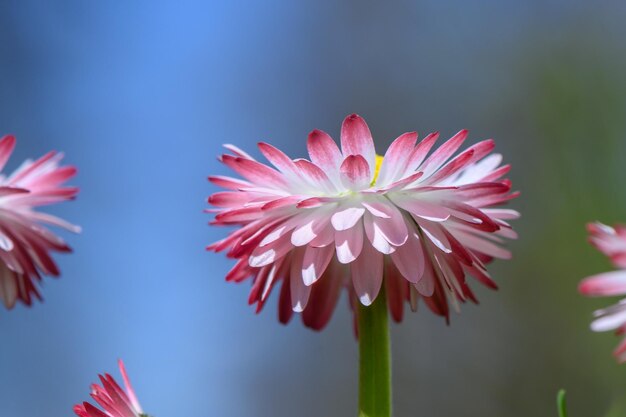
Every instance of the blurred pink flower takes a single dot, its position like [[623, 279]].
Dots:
[[25, 244], [111, 397], [348, 217], [612, 242]]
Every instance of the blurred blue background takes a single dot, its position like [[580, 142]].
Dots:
[[140, 96]]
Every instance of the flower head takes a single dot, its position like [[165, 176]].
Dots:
[[348, 218], [25, 243], [612, 242], [112, 398]]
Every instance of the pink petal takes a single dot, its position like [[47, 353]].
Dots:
[[396, 158], [481, 245], [378, 208], [397, 291], [482, 276], [606, 284], [255, 171], [265, 255], [237, 151], [450, 270], [129, 388], [299, 292], [420, 207], [258, 283], [10, 191], [346, 217], [93, 411], [496, 174], [482, 168], [481, 189], [315, 176], [324, 153], [325, 237], [473, 215], [355, 173], [452, 167], [394, 229], [53, 178], [227, 182], [278, 159], [433, 231], [349, 243], [443, 153], [409, 259], [609, 319], [304, 234], [482, 149], [367, 274], [421, 150], [400, 184], [324, 296], [8, 289], [228, 199], [376, 236], [309, 227], [500, 213], [80, 411], [315, 262], [316, 202], [427, 284], [7, 144], [356, 139], [279, 231], [269, 283], [29, 169], [239, 215], [281, 202]]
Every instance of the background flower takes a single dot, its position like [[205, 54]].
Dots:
[[612, 242], [112, 398], [25, 242], [345, 218]]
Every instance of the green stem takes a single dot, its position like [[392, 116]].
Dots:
[[560, 402], [374, 359]]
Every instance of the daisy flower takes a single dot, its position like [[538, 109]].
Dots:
[[414, 221], [112, 398], [612, 242], [25, 242]]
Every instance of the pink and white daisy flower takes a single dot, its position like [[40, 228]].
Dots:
[[346, 218], [25, 243], [612, 242], [112, 398]]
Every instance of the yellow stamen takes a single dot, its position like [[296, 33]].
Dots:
[[379, 162]]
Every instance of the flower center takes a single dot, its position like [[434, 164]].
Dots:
[[379, 162]]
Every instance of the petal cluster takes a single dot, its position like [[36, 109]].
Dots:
[[418, 220], [25, 241], [612, 242], [115, 401]]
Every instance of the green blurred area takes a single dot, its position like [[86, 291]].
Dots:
[[577, 106], [572, 172], [563, 127]]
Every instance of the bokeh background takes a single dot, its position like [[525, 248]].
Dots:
[[140, 95]]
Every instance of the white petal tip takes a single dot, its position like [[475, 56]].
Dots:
[[345, 259], [264, 259], [366, 300]]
